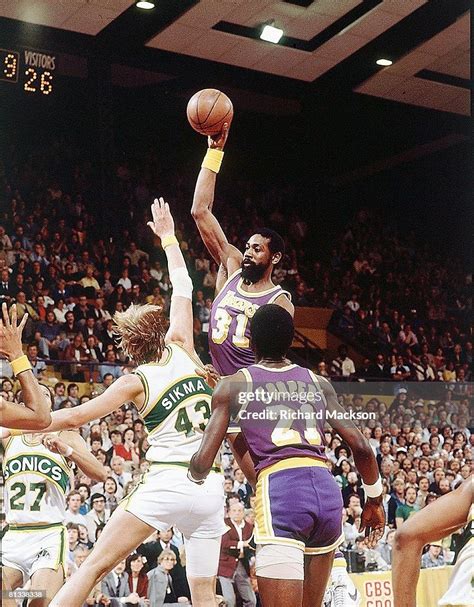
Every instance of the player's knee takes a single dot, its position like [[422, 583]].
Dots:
[[404, 537]]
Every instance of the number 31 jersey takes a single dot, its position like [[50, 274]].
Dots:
[[229, 331], [36, 482], [177, 406]]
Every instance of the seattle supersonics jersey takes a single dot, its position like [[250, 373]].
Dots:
[[36, 482], [177, 406]]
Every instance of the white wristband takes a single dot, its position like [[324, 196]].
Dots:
[[68, 451], [374, 490], [182, 283], [193, 480]]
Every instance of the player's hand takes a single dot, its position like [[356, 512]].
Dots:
[[372, 521], [10, 333], [133, 598], [55, 444], [217, 142], [163, 223], [210, 375]]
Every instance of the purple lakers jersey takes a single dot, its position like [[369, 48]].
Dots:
[[282, 414], [229, 331]]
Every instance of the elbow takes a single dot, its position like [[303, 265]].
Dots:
[[101, 475], [197, 212], [44, 420], [362, 448]]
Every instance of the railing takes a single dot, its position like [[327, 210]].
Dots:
[[310, 348]]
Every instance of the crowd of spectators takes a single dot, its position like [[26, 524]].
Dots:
[[71, 265]]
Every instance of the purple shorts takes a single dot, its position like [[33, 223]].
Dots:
[[299, 504]]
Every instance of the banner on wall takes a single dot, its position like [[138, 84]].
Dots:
[[376, 587]]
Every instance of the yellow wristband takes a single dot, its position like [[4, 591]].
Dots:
[[169, 240], [20, 364], [213, 160], [14, 432]]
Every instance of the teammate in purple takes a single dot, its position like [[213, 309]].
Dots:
[[281, 409], [244, 281]]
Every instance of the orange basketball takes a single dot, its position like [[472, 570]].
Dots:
[[208, 110]]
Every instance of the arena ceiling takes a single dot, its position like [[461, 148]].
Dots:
[[328, 45]]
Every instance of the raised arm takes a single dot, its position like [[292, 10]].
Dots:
[[373, 516], [181, 310], [224, 254], [124, 389], [35, 415]]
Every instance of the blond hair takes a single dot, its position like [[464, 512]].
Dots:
[[142, 331]]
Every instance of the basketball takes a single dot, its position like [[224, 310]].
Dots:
[[208, 110]]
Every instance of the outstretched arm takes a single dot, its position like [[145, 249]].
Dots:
[[373, 516], [72, 446], [181, 310], [35, 415], [124, 389], [211, 232]]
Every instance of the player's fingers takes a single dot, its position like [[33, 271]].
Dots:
[[6, 318], [23, 322], [14, 316], [154, 210]]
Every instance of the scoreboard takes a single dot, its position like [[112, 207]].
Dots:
[[32, 71]]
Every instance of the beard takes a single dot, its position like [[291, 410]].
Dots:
[[252, 272]]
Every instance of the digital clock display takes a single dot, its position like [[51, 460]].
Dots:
[[32, 70]]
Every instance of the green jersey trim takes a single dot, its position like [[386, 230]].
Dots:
[[29, 463], [34, 527], [173, 396]]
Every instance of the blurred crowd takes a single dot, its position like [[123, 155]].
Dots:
[[71, 263]]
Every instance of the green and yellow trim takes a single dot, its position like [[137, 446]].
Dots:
[[34, 526], [146, 390]]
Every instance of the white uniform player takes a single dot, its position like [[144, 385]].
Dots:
[[175, 411], [36, 482], [461, 585], [174, 402]]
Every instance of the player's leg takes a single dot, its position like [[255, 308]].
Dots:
[[202, 559], [342, 587], [49, 580], [11, 580], [280, 574], [122, 534], [317, 569], [434, 522]]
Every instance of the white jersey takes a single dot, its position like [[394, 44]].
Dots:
[[176, 408], [36, 482]]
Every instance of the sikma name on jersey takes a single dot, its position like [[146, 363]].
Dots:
[[182, 390]]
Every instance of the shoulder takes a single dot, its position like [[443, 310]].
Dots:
[[284, 301]]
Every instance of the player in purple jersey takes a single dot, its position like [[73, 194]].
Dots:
[[245, 279], [281, 409]]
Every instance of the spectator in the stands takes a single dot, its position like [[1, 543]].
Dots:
[[342, 367]]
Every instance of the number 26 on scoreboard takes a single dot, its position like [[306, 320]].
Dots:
[[45, 81]]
